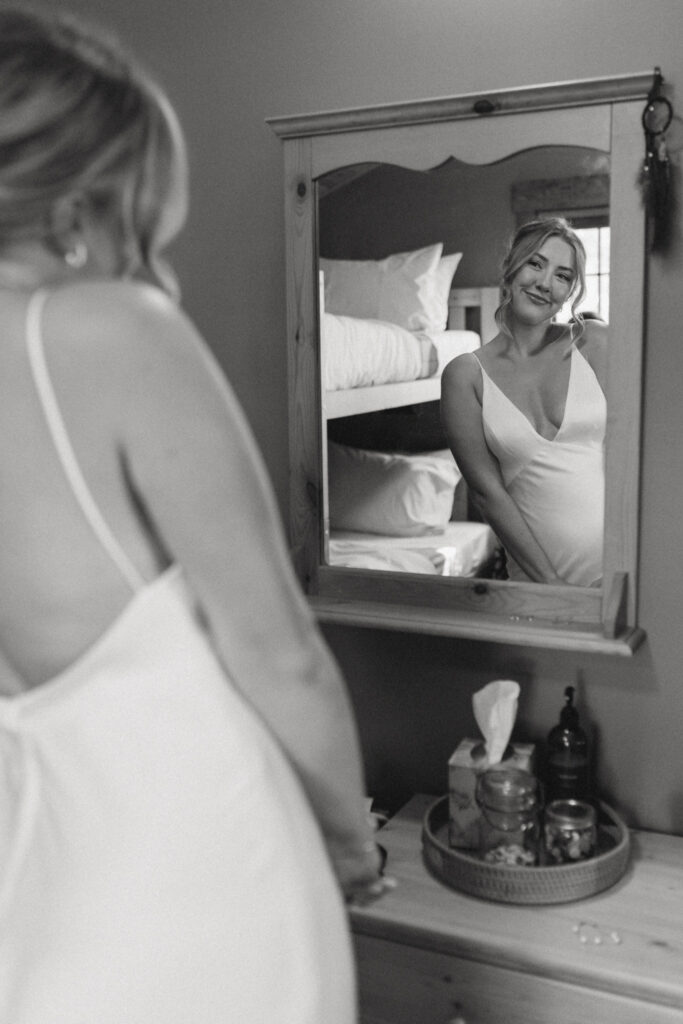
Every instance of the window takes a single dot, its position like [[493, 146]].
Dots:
[[596, 243], [584, 202]]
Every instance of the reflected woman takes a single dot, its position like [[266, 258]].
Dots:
[[525, 415]]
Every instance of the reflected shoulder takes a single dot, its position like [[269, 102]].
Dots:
[[595, 329], [461, 370], [593, 337], [593, 346], [461, 382]]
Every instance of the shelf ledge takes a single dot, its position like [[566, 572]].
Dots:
[[514, 630]]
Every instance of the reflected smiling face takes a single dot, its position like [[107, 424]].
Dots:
[[544, 282]]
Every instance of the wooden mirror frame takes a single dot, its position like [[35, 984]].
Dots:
[[602, 619]]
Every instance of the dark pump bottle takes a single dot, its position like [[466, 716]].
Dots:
[[567, 756]]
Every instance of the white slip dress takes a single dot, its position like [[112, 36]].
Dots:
[[558, 484], [159, 861]]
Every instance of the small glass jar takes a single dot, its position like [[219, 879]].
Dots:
[[569, 831], [509, 827]]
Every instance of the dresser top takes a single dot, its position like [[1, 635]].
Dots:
[[626, 940]]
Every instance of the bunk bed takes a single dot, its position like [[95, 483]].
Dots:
[[388, 328]]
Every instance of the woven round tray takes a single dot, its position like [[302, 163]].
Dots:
[[502, 883]]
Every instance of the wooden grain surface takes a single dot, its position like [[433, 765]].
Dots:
[[633, 932]]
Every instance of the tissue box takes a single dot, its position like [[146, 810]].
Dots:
[[465, 764]]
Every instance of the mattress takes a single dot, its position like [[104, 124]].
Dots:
[[460, 550], [362, 353]]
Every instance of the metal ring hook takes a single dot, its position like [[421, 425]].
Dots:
[[658, 112]]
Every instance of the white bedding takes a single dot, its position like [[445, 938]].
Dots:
[[359, 353], [460, 550]]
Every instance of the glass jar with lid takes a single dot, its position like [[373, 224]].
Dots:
[[509, 826], [570, 831]]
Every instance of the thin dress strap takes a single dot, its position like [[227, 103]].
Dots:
[[64, 448]]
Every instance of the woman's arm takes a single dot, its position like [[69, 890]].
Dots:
[[196, 468], [462, 421]]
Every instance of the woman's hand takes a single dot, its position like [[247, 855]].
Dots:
[[361, 873]]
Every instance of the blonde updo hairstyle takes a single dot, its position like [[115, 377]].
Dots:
[[528, 239], [78, 119]]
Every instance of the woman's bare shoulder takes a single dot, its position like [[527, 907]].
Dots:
[[110, 310], [594, 337], [593, 346], [132, 346], [126, 325], [462, 371], [594, 334]]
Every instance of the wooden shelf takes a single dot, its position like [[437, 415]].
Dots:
[[355, 401], [513, 630]]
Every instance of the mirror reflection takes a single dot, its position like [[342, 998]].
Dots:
[[410, 267]]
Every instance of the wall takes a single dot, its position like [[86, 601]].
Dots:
[[468, 207], [228, 64]]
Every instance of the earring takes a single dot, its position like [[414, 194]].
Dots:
[[77, 256]]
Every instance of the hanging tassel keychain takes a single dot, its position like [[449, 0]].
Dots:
[[655, 178]]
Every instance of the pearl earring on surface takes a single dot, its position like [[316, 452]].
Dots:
[[77, 256]]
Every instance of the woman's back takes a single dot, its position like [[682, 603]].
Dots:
[[63, 588], [153, 836]]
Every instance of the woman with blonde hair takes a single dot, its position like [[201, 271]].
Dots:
[[525, 415], [182, 808]]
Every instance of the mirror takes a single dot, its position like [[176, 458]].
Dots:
[[391, 507], [465, 171]]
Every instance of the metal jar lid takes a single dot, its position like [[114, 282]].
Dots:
[[507, 790], [570, 814]]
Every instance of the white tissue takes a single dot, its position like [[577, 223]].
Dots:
[[495, 710]]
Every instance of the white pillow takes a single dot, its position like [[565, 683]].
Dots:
[[405, 288], [441, 286], [388, 493]]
